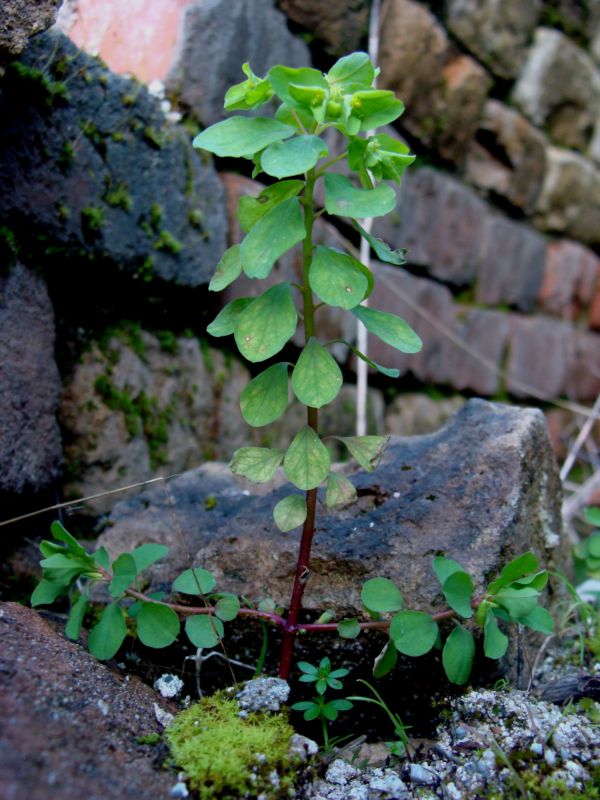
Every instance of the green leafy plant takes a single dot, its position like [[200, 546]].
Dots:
[[290, 148], [587, 552], [319, 708], [399, 746]]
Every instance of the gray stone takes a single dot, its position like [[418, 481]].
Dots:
[[21, 19], [440, 222], [476, 365], [512, 258], [559, 89], [569, 202], [541, 351], [218, 36], [496, 31], [30, 446], [132, 410], [507, 157], [444, 91], [263, 694], [483, 489], [70, 725], [86, 157], [339, 25], [571, 275]]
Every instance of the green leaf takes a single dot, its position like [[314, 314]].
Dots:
[[251, 209], [536, 581], [593, 545], [375, 108], [317, 378], [48, 548], [345, 200], [352, 70], [385, 661], [124, 574], [391, 373], [107, 636], [348, 628], [367, 450], [307, 460], [76, 616], [592, 516], [59, 532], [390, 328], [381, 595], [204, 630], [195, 581], [538, 619], [413, 632], [457, 655], [147, 554], [518, 602], [249, 94], [293, 157], [101, 558], [458, 591], [338, 279], [134, 609], [281, 77], [514, 569], [382, 250], [227, 607], [157, 626], [265, 398], [495, 643], [290, 512], [227, 270], [272, 236], [226, 320], [242, 136], [258, 464], [444, 567], [63, 568], [340, 491], [266, 325], [46, 593]]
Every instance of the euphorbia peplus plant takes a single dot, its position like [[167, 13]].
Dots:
[[290, 148]]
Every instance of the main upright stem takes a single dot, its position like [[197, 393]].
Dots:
[[302, 566]]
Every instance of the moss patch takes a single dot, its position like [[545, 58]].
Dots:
[[229, 757]]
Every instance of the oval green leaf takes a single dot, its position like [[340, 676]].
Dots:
[[307, 460], [266, 324], [495, 643], [251, 209], [352, 70], [390, 328], [348, 628], [444, 567], [124, 574], [413, 632], [294, 157], [225, 321], [317, 378], [281, 77], [381, 595], [272, 236], [227, 608], [59, 532], [107, 636], [76, 616], [242, 136], [522, 565], [340, 491], [382, 250], [195, 581], [337, 279], [157, 626], [385, 661], [147, 554], [46, 592], [457, 655], [458, 591], [227, 270], [204, 630], [345, 200], [265, 398], [367, 450], [290, 512], [538, 619], [518, 602], [258, 464]]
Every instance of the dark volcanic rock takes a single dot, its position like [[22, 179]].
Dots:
[[90, 169], [483, 489], [20, 19], [69, 725], [340, 25], [30, 447], [218, 37]]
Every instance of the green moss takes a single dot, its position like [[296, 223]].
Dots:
[[146, 269], [92, 218], [66, 157], [168, 341], [63, 211], [228, 757], [117, 136], [210, 502], [196, 218], [9, 245], [50, 90], [151, 738], [168, 243], [119, 197], [153, 137]]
